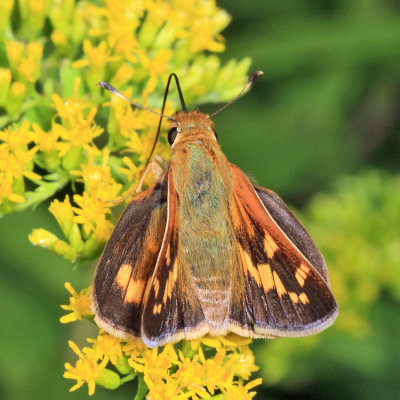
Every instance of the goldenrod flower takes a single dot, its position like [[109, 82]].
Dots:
[[237, 391], [16, 162], [86, 369], [97, 57], [79, 305], [105, 346], [79, 135], [97, 179]]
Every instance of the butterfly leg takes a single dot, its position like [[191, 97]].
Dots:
[[157, 166]]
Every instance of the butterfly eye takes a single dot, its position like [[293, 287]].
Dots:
[[216, 135], [172, 133]]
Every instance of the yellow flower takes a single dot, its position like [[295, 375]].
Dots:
[[46, 141], [69, 109], [79, 135], [15, 52], [135, 351], [96, 57], [6, 187], [79, 305], [105, 347], [244, 364], [192, 376], [167, 390], [103, 229], [99, 183], [132, 171], [16, 161], [62, 211], [86, 369], [89, 211], [156, 364], [238, 391], [156, 67], [29, 67], [123, 18]]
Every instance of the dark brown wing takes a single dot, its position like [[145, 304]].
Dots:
[[172, 310], [293, 229], [128, 263], [285, 289]]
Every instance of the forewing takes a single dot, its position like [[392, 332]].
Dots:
[[281, 278], [128, 262], [293, 229], [172, 309]]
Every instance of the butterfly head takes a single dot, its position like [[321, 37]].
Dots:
[[191, 126]]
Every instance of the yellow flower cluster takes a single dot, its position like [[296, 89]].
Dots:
[[201, 368], [68, 133], [16, 162]]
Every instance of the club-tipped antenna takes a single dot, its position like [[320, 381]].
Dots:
[[249, 82], [112, 89]]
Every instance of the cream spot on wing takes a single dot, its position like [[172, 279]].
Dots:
[[293, 297], [249, 267], [270, 246], [266, 276], [156, 286], [302, 273], [157, 309], [280, 288], [303, 298], [299, 278], [135, 290], [123, 276], [169, 287], [305, 268]]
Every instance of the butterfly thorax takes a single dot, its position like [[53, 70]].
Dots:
[[206, 238]]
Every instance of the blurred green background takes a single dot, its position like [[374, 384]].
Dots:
[[321, 128]]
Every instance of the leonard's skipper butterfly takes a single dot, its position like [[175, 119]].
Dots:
[[204, 251]]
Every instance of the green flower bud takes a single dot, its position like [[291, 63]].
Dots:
[[123, 366], [72, 159], [5, 81], [43, 238], [108, 379], [15, 99], [6, 7]]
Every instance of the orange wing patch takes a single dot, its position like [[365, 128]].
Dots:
[[301, 273], [270, 246], [123, 276], [284, 294], [267, 278], [133, 289], [280, 287]]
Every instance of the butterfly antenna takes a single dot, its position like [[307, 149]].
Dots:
[[112, 89], [249, 82], [173, 75]]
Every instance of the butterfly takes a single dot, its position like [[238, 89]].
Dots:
[[204, 251]]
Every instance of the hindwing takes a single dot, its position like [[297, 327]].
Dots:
[[172, 310]]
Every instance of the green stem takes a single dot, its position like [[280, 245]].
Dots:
[[128, 378]]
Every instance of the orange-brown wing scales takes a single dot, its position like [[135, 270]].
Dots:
[[172, 310], [128, 262], [285, 295]]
